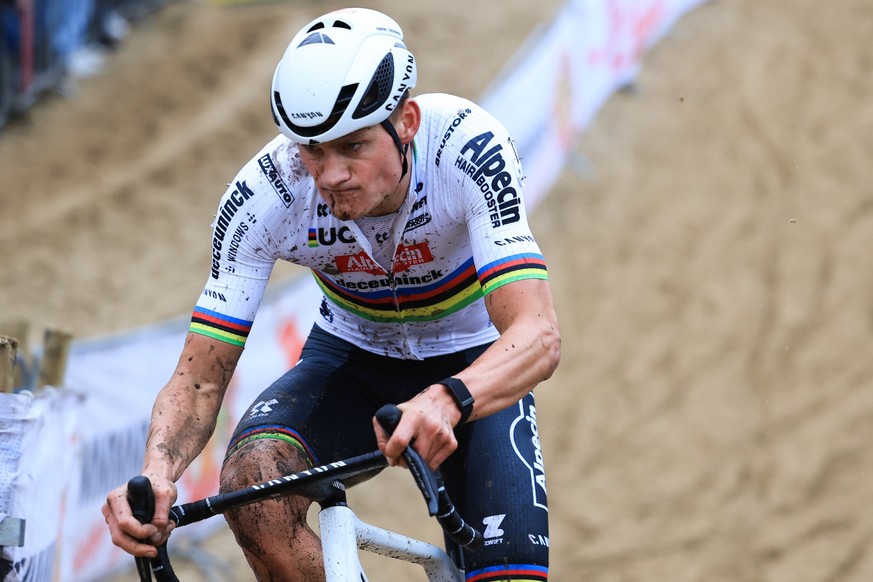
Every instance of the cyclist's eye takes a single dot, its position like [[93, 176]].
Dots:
[[310, 151]]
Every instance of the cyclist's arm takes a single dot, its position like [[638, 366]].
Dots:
[[186, 409], [183, 419], [526, 353]]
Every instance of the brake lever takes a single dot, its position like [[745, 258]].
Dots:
[[427, 480], [431, 485]]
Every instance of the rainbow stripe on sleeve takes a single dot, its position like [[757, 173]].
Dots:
[[509, 269], [221, 327]]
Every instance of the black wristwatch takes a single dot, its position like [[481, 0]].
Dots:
[[462, 397]]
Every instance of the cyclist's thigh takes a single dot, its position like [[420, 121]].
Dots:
[[318, 406], [497, 480]]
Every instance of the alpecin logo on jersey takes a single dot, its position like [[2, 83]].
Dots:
[[329, 236], [234, 201], [486, 167], [272, 174], [408, 256], [359, 263], [405, 257], [525, 437]]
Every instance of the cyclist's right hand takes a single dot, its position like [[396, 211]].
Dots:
[[127, 532]]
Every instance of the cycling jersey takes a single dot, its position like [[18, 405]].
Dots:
[[461, 233]]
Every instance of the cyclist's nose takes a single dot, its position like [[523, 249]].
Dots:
[[333, 171]]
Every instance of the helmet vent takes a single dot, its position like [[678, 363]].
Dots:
[[316, 26], [378, 90], [342, 24], [316, 38]]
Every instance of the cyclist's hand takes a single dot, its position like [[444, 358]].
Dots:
[[127, 532], [427, 422]]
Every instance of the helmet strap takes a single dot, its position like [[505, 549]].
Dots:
[[402, 148]]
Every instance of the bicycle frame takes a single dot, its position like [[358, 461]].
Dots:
[[342, 533]]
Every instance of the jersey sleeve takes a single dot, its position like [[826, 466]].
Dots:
[[242, 261], [488, 168]]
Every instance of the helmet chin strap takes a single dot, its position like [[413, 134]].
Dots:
[[402, 148]]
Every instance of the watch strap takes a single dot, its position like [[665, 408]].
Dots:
[[461, 395]]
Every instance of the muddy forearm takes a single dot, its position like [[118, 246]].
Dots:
[[180, 428], [185, 411]]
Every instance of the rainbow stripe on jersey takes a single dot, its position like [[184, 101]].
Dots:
[[412, 300]]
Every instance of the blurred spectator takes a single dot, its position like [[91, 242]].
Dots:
[[46, 43]]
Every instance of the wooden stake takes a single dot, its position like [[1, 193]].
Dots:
[[20, 330], [56, 348], [8, 351]]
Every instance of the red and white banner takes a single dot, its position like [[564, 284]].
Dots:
[[551, 90]]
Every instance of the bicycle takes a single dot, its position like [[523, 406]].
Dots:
[[343, 534]]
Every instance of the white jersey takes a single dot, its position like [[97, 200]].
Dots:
[[461, 233]]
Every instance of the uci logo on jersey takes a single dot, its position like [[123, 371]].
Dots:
[[330, 236], [486, 167]]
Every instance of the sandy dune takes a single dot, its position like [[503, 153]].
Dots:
[[712, 416]]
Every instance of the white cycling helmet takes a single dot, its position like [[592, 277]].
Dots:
[[342, 72]]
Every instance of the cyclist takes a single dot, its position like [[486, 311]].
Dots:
[[409, 213]]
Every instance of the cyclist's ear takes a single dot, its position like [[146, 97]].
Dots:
[[408, 120]]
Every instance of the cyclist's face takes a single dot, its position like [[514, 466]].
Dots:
[[360, 174]]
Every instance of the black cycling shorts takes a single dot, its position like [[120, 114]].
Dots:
[[324, 406]]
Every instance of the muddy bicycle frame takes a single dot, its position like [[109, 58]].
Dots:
[[343, 534]]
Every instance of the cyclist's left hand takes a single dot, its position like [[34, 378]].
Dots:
[[427, 422]]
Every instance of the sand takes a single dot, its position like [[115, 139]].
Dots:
[[708, 250]]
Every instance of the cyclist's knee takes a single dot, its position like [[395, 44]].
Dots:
[[273, 533], [258, 461]]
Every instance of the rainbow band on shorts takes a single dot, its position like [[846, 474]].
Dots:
[[274, 432], [221, 327], [517, 572]]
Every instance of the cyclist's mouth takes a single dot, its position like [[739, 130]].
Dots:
[[341, 202]]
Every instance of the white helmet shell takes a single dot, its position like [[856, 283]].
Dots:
[[342, 72]]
